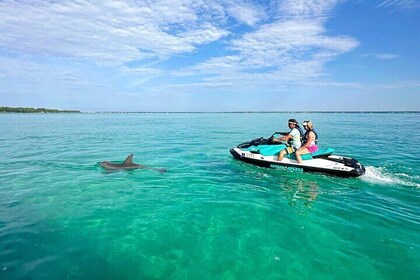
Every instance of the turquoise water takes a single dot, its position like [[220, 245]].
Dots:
[[209, 216]]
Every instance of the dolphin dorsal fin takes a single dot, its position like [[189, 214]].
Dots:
[[128, 160]]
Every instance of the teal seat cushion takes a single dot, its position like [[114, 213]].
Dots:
[[274, 150], [266, 150], [270, 150], [327, 151]]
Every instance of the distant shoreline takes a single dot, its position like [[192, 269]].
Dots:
[[26, 110]]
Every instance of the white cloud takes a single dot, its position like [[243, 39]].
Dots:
[[285, 41], [205, 34], [292, 50], [116, 32], [306, 8], [247, 13], [111, 32]]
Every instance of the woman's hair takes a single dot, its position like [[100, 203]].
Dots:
[[310, 125]]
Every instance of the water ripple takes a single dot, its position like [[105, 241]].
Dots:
[[209, 216]]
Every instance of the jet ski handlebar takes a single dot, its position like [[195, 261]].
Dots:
[[280, 132], [271, 139]]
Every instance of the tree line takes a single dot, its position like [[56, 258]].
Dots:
[[34, 110]]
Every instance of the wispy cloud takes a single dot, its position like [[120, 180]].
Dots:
[[382, 56], [201, 85], [291, 47], [142, 70], [401, 4], [407, 84]]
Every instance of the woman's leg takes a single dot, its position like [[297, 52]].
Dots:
[[301, 152], [281, 155]]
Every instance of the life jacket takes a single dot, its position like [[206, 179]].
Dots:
[[301, 133], [305, 137], [290, 141]]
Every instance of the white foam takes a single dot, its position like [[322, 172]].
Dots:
[[380, 175]]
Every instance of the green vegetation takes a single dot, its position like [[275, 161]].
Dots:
[[33, 110]]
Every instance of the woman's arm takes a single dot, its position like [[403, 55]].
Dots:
[[309, 138]]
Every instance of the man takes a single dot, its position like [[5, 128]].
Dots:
[[293, 139]]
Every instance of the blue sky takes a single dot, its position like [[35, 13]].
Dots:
[[210, 55]]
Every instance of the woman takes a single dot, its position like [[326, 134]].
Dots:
[[310, 140]]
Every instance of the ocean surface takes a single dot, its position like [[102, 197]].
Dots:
[[209, 216]]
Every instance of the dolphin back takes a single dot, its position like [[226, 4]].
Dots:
[[129, 160], [111, 166], [127, 164]]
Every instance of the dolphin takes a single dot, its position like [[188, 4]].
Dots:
[[128, 164]]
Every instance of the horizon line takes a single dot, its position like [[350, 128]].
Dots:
[[240, 112]]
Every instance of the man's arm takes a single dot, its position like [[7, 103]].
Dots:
[[283, 139], [282, 133]]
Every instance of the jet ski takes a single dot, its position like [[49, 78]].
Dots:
[[263, 152]]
